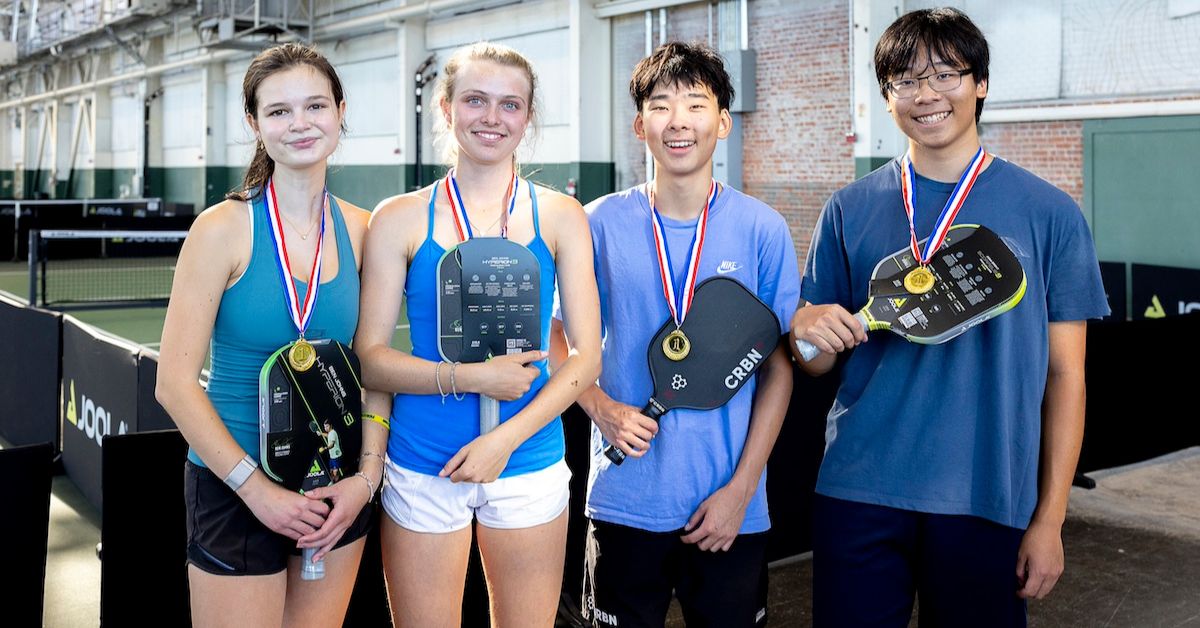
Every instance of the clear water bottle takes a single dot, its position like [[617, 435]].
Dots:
[[308, 569]]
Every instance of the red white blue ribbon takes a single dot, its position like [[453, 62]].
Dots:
[[679, 301], [459, 209], [945, 220], [300, 311]]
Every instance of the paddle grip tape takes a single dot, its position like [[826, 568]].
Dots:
[[808, 350]]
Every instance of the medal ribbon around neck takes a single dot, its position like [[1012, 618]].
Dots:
[[679, 302], [908, 177], [459, 209], [301, 312]]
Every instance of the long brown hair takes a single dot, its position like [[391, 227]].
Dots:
[[267, 63]]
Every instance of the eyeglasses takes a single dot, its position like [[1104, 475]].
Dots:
[[938, 82]]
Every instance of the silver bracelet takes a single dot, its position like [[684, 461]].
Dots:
[[370, 484], [369, 453], [241, 472], [453, 385], [437, 374]]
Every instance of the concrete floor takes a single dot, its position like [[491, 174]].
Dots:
[[1132, 545]]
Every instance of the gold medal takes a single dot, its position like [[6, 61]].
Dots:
[[919, 280], [302, 355], [676, 345]]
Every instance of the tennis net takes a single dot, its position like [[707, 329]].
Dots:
[[74, 269]]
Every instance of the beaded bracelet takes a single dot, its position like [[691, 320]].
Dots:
[[437, 374], [453, 385], [370, 484]]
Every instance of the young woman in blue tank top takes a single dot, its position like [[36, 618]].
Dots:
[[442, 473], [244, 531]]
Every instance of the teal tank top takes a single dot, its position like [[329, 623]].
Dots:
[[426, 432], [253, 322]]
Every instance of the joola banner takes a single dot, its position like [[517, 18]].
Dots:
[[1161, 291], [99, 398], [28, 374]]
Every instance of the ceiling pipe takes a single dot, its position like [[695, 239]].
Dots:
[[379, 19]]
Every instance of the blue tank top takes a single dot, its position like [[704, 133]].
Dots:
[[253, 322], [426, 432]]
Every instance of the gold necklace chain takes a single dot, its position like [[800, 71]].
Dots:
[[304, 236], [485, 231]]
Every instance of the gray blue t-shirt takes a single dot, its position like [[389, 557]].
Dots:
[[695, 452], [952, 428]]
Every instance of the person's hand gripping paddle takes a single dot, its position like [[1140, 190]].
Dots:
[[972, 278], [703, 363], [489, 296]]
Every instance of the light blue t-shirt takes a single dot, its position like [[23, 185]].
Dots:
[[695, 452], [952, 428]]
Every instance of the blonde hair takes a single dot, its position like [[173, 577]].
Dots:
[[443, 139]]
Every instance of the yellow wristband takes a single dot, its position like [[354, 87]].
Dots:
[[368, 416]]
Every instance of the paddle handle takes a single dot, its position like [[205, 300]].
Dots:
[[310, 570], [808, 350], [489, 414], [653, 410]]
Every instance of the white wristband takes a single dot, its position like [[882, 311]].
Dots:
[[241, 472]]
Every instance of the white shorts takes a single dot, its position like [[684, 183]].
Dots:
[[428, 503]]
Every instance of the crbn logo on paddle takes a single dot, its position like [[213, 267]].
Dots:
[[91, 418], [744, 369]]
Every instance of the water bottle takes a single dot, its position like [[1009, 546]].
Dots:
[[308, 569]]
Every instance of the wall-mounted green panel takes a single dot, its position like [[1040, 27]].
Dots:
[[864, 166], [1139, 189]]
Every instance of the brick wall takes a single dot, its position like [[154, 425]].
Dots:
[[684, 23], [1051, 150], [794, 149], [796, 153]]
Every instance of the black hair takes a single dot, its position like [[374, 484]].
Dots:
[[946, 32], [679, 63]]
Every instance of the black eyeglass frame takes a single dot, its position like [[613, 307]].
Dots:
[[891, 88]]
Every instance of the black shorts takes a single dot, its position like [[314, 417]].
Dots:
[[629, 575], [226, 539]]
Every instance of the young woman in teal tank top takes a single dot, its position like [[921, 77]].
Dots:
[[442, 474], [244, 531]]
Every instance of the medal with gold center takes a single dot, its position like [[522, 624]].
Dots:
[[676, 345], [921, 279], [300, 355]]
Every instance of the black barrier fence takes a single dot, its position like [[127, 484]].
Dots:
[[1112, 274], [143, 572], [144, 540], [1141, 401], [1161, 291], [100, 395], [17, 218], [25, 527], [1141, 291], [29, 373], [150, 415]]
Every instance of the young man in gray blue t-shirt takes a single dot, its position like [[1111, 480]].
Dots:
[[947, 467], [687, 511]]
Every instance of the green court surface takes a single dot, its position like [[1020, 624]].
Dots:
[[140, 325]]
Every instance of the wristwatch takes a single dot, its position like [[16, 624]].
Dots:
[[241, 472]]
